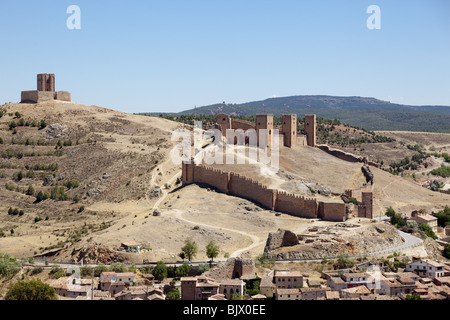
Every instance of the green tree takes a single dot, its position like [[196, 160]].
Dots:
[[428, 231], [174, 294], [182, 271], [160, 271], [344, 262], [446, 252], [8, 266], [413, 296], [99, 269], [190, 249], [117, 267], [390, 212], [212, 251], [397, 220], [236, 296], [31, 290]]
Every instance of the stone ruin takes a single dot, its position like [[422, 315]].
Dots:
[[242, 267], [45, 91]]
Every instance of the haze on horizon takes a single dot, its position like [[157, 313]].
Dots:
[[152, 56]]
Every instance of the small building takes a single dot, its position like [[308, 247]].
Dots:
[[131, 246], [314, 293], [288, 294], [288, 279], [428, 268], [126, 277], [355, 292], [267, 287], [198, 288], [228, 287], [424, 218]]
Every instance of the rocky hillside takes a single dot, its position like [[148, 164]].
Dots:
[[331, 241], [62, 165]]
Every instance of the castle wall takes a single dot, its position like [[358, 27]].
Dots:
[[35, 96], [332, 211], [341, 154], [241, 124], [63, 96], [296, 205], [212, 177], [252, 190]]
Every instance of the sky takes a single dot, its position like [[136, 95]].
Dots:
[[172, 55]]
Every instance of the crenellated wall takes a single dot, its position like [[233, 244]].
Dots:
[[296, 205], [252, 190], [241, 186], [212, 177]]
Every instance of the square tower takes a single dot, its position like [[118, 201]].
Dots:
[[46, 82], [367, 201], [310, 129], [289, 128], [265, 122]]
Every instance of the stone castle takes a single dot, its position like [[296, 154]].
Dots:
[[272, 199], [265, 121], [45, 91]]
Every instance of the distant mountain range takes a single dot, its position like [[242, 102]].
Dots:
[[364, 112]]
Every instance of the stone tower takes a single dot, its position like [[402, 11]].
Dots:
[[264, 121], [187, 175], [310, 129], [46, 82], [367, 201], [223, 122], [289, 128]]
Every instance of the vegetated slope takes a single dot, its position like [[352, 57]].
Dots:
[[368, 113], [59, 160]]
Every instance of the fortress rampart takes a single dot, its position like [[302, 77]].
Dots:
[[272, 199]]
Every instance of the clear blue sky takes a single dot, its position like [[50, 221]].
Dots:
[[137, 56]]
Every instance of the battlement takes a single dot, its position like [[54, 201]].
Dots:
[[241, 186]]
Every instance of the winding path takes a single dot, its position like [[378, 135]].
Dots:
[[256, 240]]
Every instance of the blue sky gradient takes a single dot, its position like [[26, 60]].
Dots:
[[138, 56]]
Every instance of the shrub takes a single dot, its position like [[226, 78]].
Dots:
[[428, 231], [58, 193], [446, 252], [57, 273], [42, 124], [72, 183], [41, 196], [8, 266], [31, 290]]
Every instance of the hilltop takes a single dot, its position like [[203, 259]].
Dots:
[[364, 112]]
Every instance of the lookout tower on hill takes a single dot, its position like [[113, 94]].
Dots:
[[45, 91]]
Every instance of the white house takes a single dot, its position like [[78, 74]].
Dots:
[[428, 268]]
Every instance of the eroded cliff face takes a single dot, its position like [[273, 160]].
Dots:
[[330, 241]]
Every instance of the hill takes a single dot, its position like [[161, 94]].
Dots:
[[368, 113], [100, 174]]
